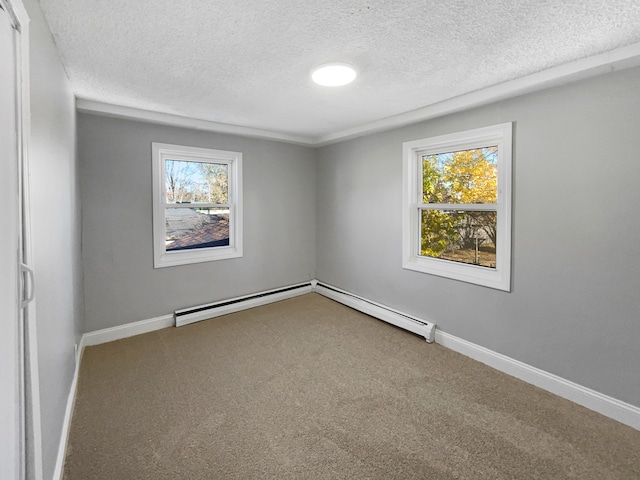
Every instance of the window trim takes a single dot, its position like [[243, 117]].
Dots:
[[164, 151], [500, 135]]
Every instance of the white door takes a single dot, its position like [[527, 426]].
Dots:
[[20, 432], [11, 375]]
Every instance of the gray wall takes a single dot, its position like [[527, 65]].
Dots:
[[55, 228], [121, 285], [575, 304]]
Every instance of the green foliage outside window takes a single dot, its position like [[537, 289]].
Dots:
[[462, 177]]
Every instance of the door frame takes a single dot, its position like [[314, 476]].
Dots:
[[30, 377]]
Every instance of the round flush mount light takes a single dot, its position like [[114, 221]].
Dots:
[[334, 74]]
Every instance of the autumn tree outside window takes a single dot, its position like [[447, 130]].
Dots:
[[457, 206]]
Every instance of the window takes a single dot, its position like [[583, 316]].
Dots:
[[457, 206], [197, 208]]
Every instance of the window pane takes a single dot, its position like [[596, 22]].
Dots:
[[196, 182], [460, 236], [465, 176], [189, 228]]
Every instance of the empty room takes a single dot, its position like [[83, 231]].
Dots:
[[320, 240]]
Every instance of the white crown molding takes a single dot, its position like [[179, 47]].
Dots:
[[118, 111], [619, 59], [614, 60]]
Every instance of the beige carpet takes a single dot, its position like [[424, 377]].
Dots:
[[309, 389]]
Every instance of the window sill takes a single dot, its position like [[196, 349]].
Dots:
[[477, 275]]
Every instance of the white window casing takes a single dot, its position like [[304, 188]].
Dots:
[[413, 151], [162, 152]]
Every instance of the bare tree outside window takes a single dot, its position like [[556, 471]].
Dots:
[[197, 204], [205, 186]]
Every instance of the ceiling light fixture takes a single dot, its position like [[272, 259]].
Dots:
[[334, 74]]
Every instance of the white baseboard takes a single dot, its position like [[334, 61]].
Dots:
[[608, 406], [596, 401], [95, 338], [144, 326], [68, 414], [418, 326], [237, 304], [128, 330]]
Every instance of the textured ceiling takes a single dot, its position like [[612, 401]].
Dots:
[[247, 62]]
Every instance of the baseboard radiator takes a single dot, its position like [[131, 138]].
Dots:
[[418, 326], [198, 313], [212, 310]]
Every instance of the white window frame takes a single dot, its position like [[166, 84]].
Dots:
[[500, 135], [162, 152]]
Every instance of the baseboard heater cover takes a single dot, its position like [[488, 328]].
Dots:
[[198, 313], [418, 326]]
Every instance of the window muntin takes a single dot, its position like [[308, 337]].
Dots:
[[457, 204], [197, 204]]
